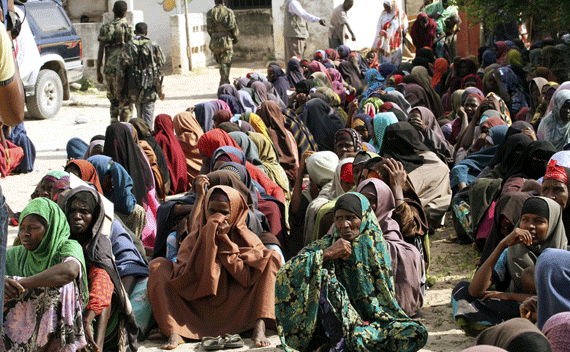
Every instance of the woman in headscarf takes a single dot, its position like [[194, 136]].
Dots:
[[282, 139], [45, 285], [120, 146], [320, 167], [18, 136], [552, 301], [423, 31], [205, 113], [117, 186], [501, 49], [489, 58], [471, 81], [466, 171], [173, 153], [347, 143], [421, 77], [351, 75], [354, 254], [233, 103], [47, 184], [547, 92], [429, 175], [379, 124], [540, 227], [188, 132], [431, 135], [277, 77], [374, 81], [392, 25], [269, 159], [218, 224], [228, 89], [362, 123], [83, 208], [440, 66], [407, 262], [75, 148], [96, 146], [144, 133], [517, 334], [322, 122], [85, 171], [294, 72], [303, 136], [555, 127], [535, 92]]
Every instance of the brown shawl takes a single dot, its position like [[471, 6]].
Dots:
[[282, 138], [221, 283], [188, 131]]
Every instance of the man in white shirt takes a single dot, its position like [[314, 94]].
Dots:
[[296, 28], [339, 20]]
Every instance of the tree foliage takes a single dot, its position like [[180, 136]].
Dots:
[[545, 16]]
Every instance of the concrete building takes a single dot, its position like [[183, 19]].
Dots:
[[261, 28]]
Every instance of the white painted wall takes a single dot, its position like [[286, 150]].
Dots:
[[363, 18]]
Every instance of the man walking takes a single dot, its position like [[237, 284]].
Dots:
[[223, 31], [296, 29], [112, 37], [339, 20], [139, 75]]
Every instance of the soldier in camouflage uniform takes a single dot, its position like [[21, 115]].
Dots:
[[112, 37], [223, 31], [135, 58]]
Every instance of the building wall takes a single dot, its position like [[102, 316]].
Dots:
[[255, 35], [93, 8]]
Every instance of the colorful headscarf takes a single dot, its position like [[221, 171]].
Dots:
[[380, 122]]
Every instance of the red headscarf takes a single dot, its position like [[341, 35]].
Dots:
[[221, 116], [316, 66], [164, 135], [472, 76], [555, 172], [88, 173], [503, 50], [441, 66], [423, 37], [212, 140]]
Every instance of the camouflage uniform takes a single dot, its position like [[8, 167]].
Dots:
[[140, 48], [114, 36], [223, 31]]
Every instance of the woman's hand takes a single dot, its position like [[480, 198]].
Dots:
[[303, 163], [398, 175], [223, 228], [340, 249], [200, 184], [517, 236], [529, 310], [495, 294], [529, 132], [12, 288], [462, 113], [418, 124], [87, 325]]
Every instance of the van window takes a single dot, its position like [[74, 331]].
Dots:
[[48, 19]]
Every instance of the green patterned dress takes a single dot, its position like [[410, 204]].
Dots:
[[360, 291]]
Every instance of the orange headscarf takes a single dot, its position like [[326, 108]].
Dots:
[[188, 132], [441, 66]]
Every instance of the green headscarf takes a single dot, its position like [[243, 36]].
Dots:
[[55, 245], [359, 289]]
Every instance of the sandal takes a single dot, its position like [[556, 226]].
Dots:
[[232, 341], [212, 343]]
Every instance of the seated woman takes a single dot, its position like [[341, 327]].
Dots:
[[429, 175], [431, 134], [555, 126], [407, 263], [46, 284], [85, 214], [243, 270], [475, 307], [173, 153], [347, 143], [345, 279], [117, 186], [517, 334], [19, 137], [10, 155], [85, 171]]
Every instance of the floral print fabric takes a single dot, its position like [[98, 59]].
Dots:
[[360, 291]]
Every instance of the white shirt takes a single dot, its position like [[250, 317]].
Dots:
[[338, 19], [295, 8]]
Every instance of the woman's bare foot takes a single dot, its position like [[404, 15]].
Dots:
[[156, 334], [173, 341], [259, 338]]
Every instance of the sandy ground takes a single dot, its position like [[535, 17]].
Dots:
[[450, 262]]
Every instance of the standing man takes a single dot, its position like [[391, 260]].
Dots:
[[112, 37], [139, 75], [223, 31], [296, 29], [339, 20]]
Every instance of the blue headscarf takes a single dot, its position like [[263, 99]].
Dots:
[[374, 80], [489, 58], [380, 122], [233, 103], [387, 69], [227, 150], [122, 194]]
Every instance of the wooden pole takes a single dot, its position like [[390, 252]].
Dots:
[[188, 46]]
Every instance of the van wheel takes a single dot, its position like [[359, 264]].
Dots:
[[46, 102]]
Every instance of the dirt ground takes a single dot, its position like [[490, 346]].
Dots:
[[450, 262]]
